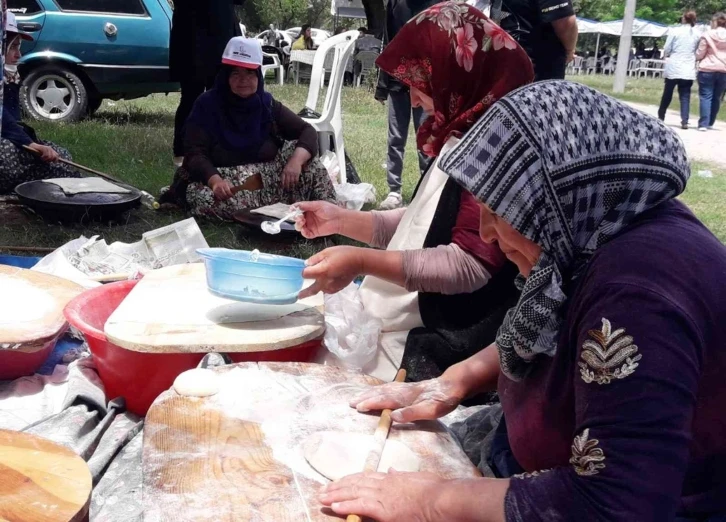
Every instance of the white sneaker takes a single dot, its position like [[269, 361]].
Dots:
[[702, 129], [392, 201], [712, 127], [178, 160]]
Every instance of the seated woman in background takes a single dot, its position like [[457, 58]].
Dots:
[[18, 165], [610, 368], [440, 292], [236, 131], [305, 40]]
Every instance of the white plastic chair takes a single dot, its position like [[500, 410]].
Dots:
[[366, 63], [275, 66], [591, 65], [331, 120]]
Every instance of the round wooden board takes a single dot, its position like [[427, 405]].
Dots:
[[41, 480], [238, 455], [171, 311], [31, 312]]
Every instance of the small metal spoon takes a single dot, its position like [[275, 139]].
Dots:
[[273, 227]]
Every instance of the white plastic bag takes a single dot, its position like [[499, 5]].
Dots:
[[331, 164], [351, 333], [354, 196]]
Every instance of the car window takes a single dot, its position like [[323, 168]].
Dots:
[[24, 7], [130, 7]]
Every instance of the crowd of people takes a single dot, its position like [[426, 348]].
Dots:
[[544, 256], [690, 56]]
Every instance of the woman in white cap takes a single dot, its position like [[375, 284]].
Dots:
[[237, 130], [17, 165]]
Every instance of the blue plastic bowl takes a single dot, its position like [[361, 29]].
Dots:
[[268, 280]]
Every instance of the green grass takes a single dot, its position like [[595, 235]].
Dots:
[[132, 141], [642, 90]]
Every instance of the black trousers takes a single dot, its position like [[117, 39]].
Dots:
[[684, 94], [190, 91]]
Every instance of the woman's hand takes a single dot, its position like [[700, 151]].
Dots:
[[319, 218], [386, 497], [291, 174], [221, 188], [47, 154], [333, 269], [425, 400]]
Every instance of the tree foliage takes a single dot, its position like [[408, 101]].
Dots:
[[663, 11]]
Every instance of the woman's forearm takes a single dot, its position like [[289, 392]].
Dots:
[[471, 500], [356, 225], [301, 156], [477, 374], [383, 264]]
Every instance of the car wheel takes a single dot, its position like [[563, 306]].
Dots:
[[54, 93]]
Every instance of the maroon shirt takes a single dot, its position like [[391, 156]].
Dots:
[[629, 415]]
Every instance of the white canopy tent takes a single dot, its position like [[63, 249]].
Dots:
[[641, 28]]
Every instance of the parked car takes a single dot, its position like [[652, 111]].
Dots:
[[85, 51], [319, 35]]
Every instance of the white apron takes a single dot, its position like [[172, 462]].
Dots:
[[393, 304]]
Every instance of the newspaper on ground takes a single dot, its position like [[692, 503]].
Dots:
[[88, 261]]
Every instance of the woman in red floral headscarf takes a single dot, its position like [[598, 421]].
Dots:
[[439, 291]]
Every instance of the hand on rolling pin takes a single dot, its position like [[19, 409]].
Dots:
[[386, 497], [333, 269], [319, 219], [411, 401], [221, 188], [47, 154]]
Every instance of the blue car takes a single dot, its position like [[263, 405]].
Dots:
[[88, 50]]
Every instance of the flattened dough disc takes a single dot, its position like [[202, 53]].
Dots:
[[336, 454], [198, 382]]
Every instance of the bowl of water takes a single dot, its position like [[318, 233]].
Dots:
[[252, 277]]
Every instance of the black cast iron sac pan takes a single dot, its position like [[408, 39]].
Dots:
[[49, 201]]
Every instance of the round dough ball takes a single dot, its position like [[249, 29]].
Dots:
[[336, 454], [199, 382]]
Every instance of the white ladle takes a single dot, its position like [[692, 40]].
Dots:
[[273, 227]]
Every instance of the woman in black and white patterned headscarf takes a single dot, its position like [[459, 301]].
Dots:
[[612, 361]]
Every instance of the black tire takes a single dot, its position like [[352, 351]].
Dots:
[[94, 103], [68, 102]]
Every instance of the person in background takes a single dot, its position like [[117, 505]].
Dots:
[[199, 33], [18, 165], [680, 68], [271, 37], [547, 29], [711, 56], [398, 12], [438, 290], [305, 40], [362, 32], [236, 131], [339, 30]]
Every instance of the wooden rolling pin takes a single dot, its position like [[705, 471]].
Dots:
[[379, 441], [146, 198]]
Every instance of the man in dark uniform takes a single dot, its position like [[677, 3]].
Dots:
[[398, 12], [547, 29], [200, 32]]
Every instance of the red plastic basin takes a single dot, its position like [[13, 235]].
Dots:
[[15, 364], [141, 377]]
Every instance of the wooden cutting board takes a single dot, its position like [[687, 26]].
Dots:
[[238, 455], [41, 480], [31, 307], [170, 311]]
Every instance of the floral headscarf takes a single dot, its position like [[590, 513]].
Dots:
[[463, 60]]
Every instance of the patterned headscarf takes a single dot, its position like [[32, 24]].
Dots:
[[465, 62], [569, 168]]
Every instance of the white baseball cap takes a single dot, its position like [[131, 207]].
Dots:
[[11, 26], [243, 52]]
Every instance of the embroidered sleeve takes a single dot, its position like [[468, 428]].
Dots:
[[636, 366]]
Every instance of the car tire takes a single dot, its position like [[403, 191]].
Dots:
[[54, 93], [94, 103]]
